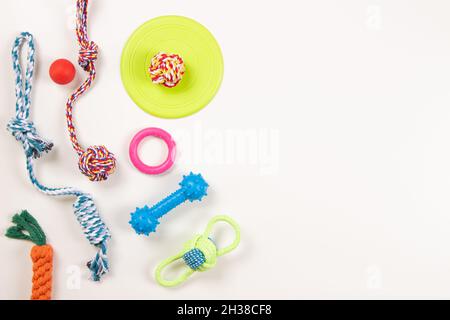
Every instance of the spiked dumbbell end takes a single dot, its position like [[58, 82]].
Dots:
[[143, 221], [194, 187]]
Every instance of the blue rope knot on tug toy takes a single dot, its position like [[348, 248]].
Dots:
[[145, 220], [200, 259]]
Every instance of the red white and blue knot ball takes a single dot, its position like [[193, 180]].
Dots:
[[97, 163]]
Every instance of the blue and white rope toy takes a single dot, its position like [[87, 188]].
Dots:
[[34, 146]]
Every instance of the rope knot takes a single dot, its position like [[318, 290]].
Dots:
[[25, 132], [97, 163], [167, 69], [88, 55], [201, 253]]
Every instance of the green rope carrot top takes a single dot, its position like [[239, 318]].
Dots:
[[25, 222], [27, 228], [199, 254]]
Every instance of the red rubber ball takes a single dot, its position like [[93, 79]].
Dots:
[[62, 71]]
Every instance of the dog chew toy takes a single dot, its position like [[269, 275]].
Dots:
[[97, 163], [35, 146], [167, 69], [200, 253], [182, 59], [62, 71], [134, 154], [27, 228], [146, 220]]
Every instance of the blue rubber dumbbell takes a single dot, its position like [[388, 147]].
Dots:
[[145, 220]]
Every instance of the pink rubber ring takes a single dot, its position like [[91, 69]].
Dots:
[[158, 133]]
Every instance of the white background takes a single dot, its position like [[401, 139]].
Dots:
[[340, 180]]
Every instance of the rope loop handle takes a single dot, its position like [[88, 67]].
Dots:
[[200, 253], [20, 126], [235, 227], [23, 88]]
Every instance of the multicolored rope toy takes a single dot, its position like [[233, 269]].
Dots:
[[200, 253], [192, 188], [167, 69], [27, 228], [34, 146], [97, 163]]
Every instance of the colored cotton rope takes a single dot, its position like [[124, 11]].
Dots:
[[27, 228], [97, 163], [34, 146], [167, 69], [199, 254]]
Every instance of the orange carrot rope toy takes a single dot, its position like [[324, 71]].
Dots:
[[27, 228]]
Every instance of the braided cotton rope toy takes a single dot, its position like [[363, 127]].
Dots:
[[200, 253], [167, 69], [97, 163], [27, 228], [34, 146]]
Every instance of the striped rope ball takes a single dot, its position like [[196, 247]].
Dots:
[[167, 69], [97, 163]]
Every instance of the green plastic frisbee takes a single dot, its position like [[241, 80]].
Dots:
[[202, 57]]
